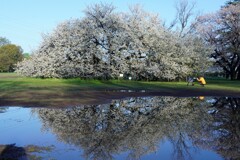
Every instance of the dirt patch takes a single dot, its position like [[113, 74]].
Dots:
[[75, 97]]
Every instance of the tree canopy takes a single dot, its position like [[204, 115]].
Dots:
[[233, 2], [106, 43], [4, 41], [222, 31], [10, 54]]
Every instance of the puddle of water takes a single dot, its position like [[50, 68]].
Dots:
[[131, 128]]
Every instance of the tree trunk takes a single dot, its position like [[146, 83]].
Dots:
[[238, 73], [233, 75], [227, 75]]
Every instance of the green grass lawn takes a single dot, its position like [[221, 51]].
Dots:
[[14, 88], [13, 82]]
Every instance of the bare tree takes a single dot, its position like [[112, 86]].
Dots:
[[184, 17]]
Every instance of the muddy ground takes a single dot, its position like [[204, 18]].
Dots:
[[74, 98]]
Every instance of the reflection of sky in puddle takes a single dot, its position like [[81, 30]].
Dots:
[[24, 126], [19, 126]]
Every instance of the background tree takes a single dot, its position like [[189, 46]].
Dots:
[[26, 55], [196, 53], [4, 41], [183, 22], [222, 31], [232, 2], [10, 54]]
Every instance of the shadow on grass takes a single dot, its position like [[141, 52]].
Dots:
[[125, 85], [116, 85], [8, 84]]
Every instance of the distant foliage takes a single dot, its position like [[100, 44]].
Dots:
[[26, 55], [233, 2], [4, 41], [105, 44], [10, 54]]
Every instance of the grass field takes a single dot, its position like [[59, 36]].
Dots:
[[15, 89], [13, 82]]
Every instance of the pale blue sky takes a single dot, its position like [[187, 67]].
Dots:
[[23, 21]]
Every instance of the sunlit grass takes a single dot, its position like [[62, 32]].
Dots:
[[11, 81]]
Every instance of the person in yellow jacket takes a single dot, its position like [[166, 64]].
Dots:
[[201, 80]]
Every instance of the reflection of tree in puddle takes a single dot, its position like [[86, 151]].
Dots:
[[3, 109], [134, 125], [224, 131]]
